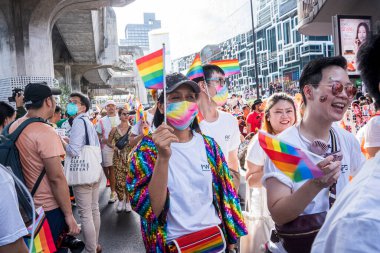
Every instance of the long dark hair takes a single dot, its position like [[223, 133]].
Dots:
[[158, 118]]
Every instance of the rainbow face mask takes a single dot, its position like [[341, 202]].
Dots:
[[221, 95], [181, 114]]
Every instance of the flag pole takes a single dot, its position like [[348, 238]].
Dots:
[[164, 83]]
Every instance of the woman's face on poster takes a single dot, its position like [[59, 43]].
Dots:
[[362, 34]]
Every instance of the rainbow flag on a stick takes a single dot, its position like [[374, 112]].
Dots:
[[151, 69], [195, 69], [139, 112], [292, 161], [230, 67]]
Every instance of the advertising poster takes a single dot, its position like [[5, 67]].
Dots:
[[353, 32]]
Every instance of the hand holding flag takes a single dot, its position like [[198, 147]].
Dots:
[[292, 161]]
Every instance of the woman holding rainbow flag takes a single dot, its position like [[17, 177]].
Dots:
[[179, 181]]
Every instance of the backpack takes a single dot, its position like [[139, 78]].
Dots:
[[9, 157]]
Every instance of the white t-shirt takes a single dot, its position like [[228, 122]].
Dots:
[[353, 223], [136, 127], [352, 161], [255, 153], [225, 131], [104, 127], [190, 186], [12, 226], [372, 133]]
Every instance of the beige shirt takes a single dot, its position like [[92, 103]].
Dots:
[[38, 141]]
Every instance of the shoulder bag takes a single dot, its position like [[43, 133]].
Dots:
[[123, 141], [85, 168]]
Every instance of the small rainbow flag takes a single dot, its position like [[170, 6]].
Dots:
[[139, 112], [230, 67], [43, 239], [151, 69], [195, 69], [292, 161]]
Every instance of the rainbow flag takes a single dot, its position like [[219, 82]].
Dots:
[[230, 67], [195, 69], [43, 239], [139, 112], [151, 69], [292, 161]]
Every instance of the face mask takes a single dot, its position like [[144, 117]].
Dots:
[[71, 109], [221, 95], [181, 114]]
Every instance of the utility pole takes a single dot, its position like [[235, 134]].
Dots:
[[254, 53]]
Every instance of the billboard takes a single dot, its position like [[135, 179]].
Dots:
[[350, 33]]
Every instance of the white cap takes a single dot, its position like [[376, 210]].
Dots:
[[109, 102]]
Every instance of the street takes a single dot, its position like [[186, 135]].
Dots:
[[119, 232]]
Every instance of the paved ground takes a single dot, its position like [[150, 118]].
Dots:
[[119, 232]]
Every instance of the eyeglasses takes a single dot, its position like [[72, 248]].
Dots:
[[337, 88], [75, 102], [220, 81], [124, 114]]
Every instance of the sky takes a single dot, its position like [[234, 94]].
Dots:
[[191, 24]]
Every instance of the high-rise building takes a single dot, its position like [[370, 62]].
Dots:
[[282, 51], [137, 34]]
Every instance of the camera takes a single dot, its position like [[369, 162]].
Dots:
[[15, 92], [70, 242]]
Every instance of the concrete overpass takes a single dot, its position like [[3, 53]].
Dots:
[[73, 41]]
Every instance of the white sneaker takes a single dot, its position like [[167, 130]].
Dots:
[[113, 198], [120, 206], [128, 207]]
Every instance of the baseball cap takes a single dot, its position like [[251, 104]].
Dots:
[[34, 92], [109, 102], [257, 101], [174, 80]]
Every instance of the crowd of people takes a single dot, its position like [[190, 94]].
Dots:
[[179, 164]]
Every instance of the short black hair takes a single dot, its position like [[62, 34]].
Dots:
[[83, 99], [57, 109], [208, 69], [6, 111], [369, 66], [312, 72]]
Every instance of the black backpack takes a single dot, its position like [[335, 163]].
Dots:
[[9, 157]]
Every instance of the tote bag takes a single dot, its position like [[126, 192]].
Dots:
[[85, 168], [258, 221]]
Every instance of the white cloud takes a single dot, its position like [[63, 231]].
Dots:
[[191, 24]]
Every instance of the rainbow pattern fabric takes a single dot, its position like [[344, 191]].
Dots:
[[230, 67], [209, 240], [292, 161], [151, 69], [221, 95], [43, 240], [153, 228], [195, 69], [180, 114]]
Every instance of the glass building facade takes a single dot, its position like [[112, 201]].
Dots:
[[137, 34], [282, 51]]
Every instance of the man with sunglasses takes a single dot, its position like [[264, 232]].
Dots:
[[327, 92], [353, 224], [222, 126]]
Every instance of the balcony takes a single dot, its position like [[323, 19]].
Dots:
[[315, 16]]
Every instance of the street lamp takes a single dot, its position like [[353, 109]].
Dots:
[[254, 53]]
